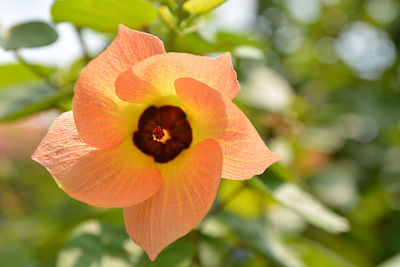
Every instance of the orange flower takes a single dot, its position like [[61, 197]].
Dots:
[[153, 133]]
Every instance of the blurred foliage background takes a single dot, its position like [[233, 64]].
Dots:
[[320, 81]]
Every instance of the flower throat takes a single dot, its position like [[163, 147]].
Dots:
[[163, 133]]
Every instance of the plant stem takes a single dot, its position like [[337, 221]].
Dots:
[[171, 40], [83, 45], [34, 69]]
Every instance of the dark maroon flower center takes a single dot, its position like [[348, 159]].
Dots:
[[163, 133]]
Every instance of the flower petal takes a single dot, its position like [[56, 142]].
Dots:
[[117, 178], [129, 87], [215, 116], [61, 148], [162, 70], [190, 184], [97, 109], [102, 178]]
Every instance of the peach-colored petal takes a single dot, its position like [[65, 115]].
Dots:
[[162, 70], [97, 109], [215, 116], [190, 184], [129, 87], [61, 148], [117, 178], [100, 178]]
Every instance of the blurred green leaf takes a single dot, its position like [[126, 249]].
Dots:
[[345, 248], [16, 73], [372, 206], [242, 200], [30, 34], [194, 43], [254, 235], [104, 15], [179, 253], [316, 255], [26, 99], [15, 255], [225, 41], [292, 196], [201, 6], [233, 39], [392, 262], [70, 74], [2, 41], [95, 243], [167, 16], [105, 244], [280, 172], [212, 250]]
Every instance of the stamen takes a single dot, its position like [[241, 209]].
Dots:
[[160, 134]]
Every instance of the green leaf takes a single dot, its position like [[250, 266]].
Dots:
[[97, 244], [212, 250], [2, 41], [30, 34], [391, 262], [16, 73], [70, 74], [201, 6], [167, 16], [316, 255], [225, 41], [254, 235], [104, 15], [275, 182], [179, 253], [16, 254], [23, 100], [194, 43], [242, 200], [234, 39], [93, 243]]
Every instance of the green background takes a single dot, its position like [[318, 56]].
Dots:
[[320, 82]]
